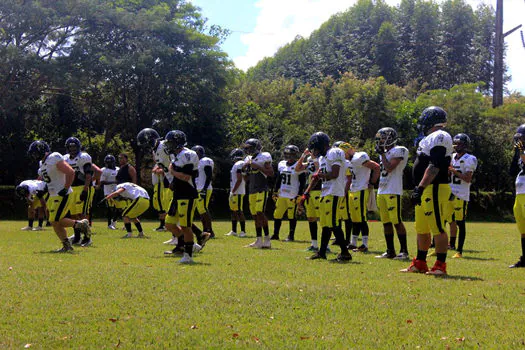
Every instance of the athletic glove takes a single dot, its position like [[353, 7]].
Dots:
[[230, 197], [83, 196], [416, 195], [62, 192], [518, 144], [202, 194]]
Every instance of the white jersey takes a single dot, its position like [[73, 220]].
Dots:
[[360, 173], [109, 175], [34, 186], [132, 191], [435, 139], [185, 161], [55, 179], [258, 182], [334, 187], [78, 163], [392, 182], [236, 169], [162, 159], [289, 178], [520, 179], [201, 178], [464, 164]]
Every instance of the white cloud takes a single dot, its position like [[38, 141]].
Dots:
[[280, 21]]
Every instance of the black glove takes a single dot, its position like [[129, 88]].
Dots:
[[62, 192], [202, 194], [380, 150], [83, 196], [416, 195]]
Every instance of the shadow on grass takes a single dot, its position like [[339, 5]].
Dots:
[[54, 252], [351, 262], [460, 278], [480, 259]]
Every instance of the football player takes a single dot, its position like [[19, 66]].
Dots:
[[237, 192], [289, 184], [184, 169], [59, 176], [518, 169], [34, 192], [205, 189], [150, 141], [311, 201], [138, 204], [432, 192], [126, 171], [82, 190], [365, 174], [461, 171], [258, 167], [331, 173], [108, 180], [393, 162]]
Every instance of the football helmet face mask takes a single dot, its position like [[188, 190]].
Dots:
[[291, 153], [252, 146], [461, 143], [175, 140], [110, 161], [37, 150], [22, 191], [430, 117], [519, 137], [73, 146], [237, 154], [199, 150], [386, 137], [146, 138], [319, 144]]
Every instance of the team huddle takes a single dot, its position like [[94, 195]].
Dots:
[[330, 182]]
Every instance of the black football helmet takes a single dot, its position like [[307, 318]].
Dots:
[[199, 150], [291, 152], [519, 136], [461, 142], [175, 139], [386, 137], [22, 191], [73, 146], [38, 149], [146, 138], [252, 146], [110, 161], [319, 143], [237, 154], [430, 117]]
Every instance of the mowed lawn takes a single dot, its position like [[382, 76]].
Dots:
[[126, 294]]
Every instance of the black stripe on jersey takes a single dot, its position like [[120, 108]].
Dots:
[[435, 202], [131, 206]]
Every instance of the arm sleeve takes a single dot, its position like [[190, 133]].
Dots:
[[438, 157], [514, 168], [209, 173], [302, 183], [88, 170], [278, 182]]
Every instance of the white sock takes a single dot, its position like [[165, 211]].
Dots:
[[365, 241], [314, 243], [353, 240]]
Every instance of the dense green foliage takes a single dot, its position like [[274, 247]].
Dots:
[[421, 42], [103, 70]]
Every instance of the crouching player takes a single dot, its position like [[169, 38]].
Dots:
[[139, 204], [34, 192], [58, 176]]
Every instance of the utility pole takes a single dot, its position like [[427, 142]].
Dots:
[[497, 87]]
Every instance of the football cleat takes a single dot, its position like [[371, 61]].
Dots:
[[242, 234], [111, 227], [451, 247], [289, 239], [387, 255], [27, 228], [317, 256], [127, 235], [439, 269], [417, 266], [402, 256], [231, 233], [257, 244], [458, 255], [175, 252], [351, 247], [196, 247], [520, 263], [205, 237], [267, 244], [142, 235], [160, 229], [38, 228], [83, 225], [66, 248], [275, 237], [362, 248], [86, 242], [312, 249], [74, 240], [172, 241], [186, 259], [343, 257]]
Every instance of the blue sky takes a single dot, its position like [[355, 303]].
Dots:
[[260, 27]]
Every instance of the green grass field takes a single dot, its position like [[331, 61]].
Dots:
[[125, 293]]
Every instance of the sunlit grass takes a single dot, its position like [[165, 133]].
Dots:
[[125, 293]]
